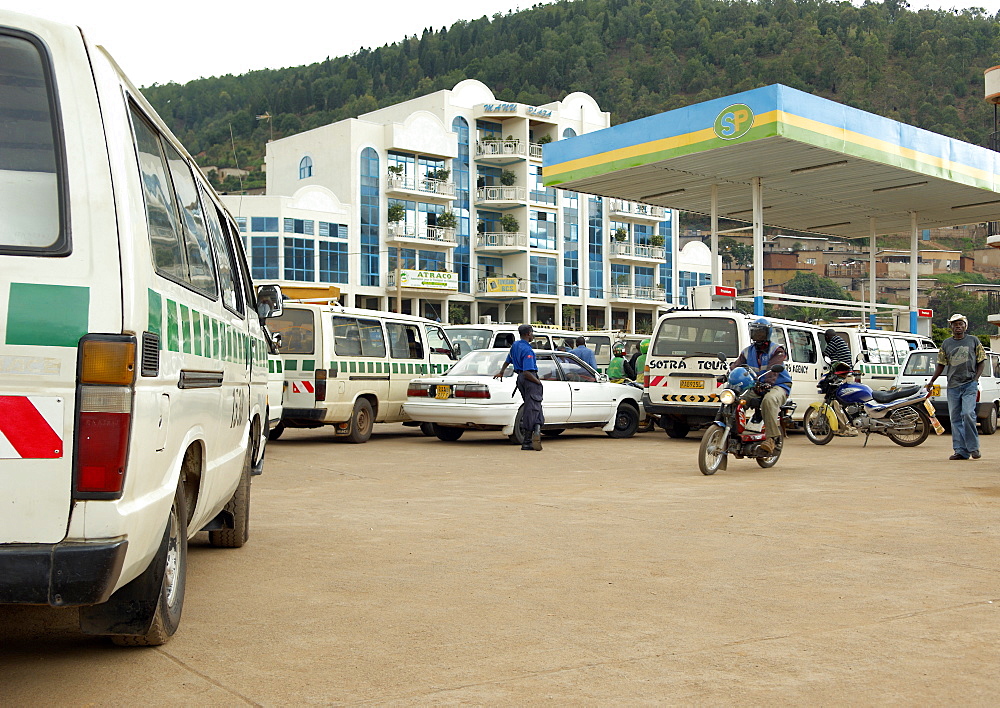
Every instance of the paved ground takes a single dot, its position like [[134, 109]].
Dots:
[[411, 571]]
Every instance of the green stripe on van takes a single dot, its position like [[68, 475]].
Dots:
[[309, 365], [47, 315], [199, 337], [154, 321]]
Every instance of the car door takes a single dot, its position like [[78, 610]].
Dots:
[[591, 401], [556, 398]]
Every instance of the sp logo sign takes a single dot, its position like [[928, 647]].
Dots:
[[734, 122]]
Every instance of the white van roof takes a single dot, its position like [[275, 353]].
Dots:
[[356, 311]]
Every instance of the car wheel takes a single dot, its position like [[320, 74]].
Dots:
[[361, 422], [427, 429], [515, 437], [988, 425], [626, 422], [447, 432]]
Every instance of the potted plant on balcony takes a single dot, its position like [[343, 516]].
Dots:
[[442, 174], [545, 140], [656, 240], [447, 220], [621, 234], [396, 213], [396, 170], [508, 178], [509, 224]]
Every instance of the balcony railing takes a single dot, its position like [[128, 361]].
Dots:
[[434, 234], [500, 194], [500, 148], [424, 186], [535, 151], [626, 208], [627, 292], [626, 249], [502, 240]]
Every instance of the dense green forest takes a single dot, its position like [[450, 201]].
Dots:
[[636, 57]]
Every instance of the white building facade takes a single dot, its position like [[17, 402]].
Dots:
[[435, 206]]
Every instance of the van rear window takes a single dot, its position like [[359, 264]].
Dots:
[[297, 330], [30, 153], [697, 336]]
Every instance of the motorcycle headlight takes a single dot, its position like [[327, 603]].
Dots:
[[728, 396]]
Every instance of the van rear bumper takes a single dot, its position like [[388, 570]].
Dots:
[[693, 412], [60, 574]]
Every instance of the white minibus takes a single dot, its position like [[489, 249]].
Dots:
[[133, 360]]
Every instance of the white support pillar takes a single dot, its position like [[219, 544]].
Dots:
[[757, 196], [716, 261], [914, 302], [444, 310], [631, 318], [872, 277]]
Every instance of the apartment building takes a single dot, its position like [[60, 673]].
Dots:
[[435, 206]]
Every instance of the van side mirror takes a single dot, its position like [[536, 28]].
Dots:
[[269, 301]]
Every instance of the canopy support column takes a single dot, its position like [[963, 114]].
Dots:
[[872, 284], [716, 274], [757, 197], [914, 303]]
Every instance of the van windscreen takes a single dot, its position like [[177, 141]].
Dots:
[[29, 164], [697, 336]]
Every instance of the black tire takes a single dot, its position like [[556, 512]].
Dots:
[[677, 429], [772, 459], [710, 454], [427, 429], [239, 507], [626, 422], [361, 422], [553, 432], [276, 432], [447, 432], [816, 426], [921, 427], [988, 425], [515, 437], [170, 600]]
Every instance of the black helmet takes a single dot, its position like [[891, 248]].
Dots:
[[760, 330]]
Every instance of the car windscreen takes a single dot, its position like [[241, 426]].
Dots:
[[697, 336], [30, 152], [480, 363], [921, 364]]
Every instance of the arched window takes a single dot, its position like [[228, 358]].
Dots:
[[569, 133], [305, 167]]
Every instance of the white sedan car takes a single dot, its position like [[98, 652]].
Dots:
[[467, 397]]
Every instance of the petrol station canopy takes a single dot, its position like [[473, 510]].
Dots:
[[823, 167]]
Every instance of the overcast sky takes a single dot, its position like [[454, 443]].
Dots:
[[197, 38]]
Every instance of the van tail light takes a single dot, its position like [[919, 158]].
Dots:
[[104, 393], [645, 376], [416, 390], [472, 391], [320, 384]]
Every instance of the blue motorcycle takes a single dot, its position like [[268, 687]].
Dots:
[[905, 416]]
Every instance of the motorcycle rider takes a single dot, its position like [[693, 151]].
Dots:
[[759, 356], [616, 369]]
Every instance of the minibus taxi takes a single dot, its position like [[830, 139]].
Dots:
[[350, 368], [133, 358]]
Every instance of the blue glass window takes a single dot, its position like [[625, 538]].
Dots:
[[432, 260], [300, 226], [370, 217], [328, 230], [539, 192], [460, 173], [571, 244], [543, 275], [241, 224], [333, 262], [490, 267], [265, 224], [543, 230], [305, 167], [299, 259], [595, 247], [264, 256], [569, 133]]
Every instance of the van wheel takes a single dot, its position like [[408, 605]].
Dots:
[[448, 433], [239, 507], [170, 600], [361, 421], [988, 425], [677, 428], [276, 432]]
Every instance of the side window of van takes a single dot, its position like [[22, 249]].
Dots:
[[540, 341], [228, 276], [902, 347], [803, 346], [996, 366], [878, 350], [161, 218], [201, 269], [504, 339], [404, 341], [354, 337], [778, 336], [297, 331]]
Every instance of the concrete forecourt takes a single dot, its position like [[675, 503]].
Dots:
[[414, 571]]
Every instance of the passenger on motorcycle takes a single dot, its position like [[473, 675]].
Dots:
[[759, 356]]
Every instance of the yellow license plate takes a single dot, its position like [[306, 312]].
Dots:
[[692, 384], [936, 390], [443, 392]]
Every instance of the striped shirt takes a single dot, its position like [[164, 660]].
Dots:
[[838, 350]]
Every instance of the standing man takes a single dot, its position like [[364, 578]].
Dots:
[[836, 348], [584, 353], [522, 357], [761, 355], [965, 358]]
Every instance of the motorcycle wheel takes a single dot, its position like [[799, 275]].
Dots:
[[766, 462], [817, 426], [710, 453], [907, 418]]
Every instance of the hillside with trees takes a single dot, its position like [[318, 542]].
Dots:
[[636, 57]]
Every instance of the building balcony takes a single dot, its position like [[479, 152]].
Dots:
[[500, 150], [535, 151], [627, 251], [423, 235], [502, 287], [501, 196], [502, 242], [408, 186], [629, 293], [635, 210]]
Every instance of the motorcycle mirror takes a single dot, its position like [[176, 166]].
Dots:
[[778, 368]]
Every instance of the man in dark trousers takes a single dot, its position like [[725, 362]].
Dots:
[[522, 358], [965, 358]]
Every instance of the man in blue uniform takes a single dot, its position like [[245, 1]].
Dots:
[[762, 354], [522, 358]]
